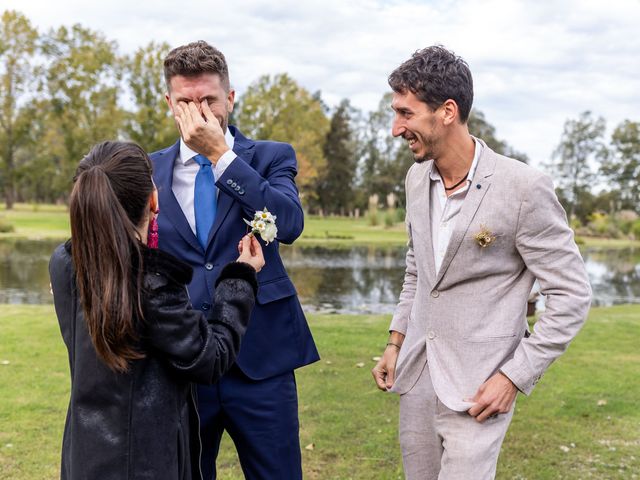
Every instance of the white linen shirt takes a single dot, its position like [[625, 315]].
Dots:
[[185, 170], [444, 210]]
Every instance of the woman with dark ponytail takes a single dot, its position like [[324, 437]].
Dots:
[[134, 342]]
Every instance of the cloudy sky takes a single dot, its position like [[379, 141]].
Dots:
[[535, 63]]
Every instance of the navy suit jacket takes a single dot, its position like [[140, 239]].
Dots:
[[278, 338]]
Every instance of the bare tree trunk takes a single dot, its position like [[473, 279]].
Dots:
[[9, 188]]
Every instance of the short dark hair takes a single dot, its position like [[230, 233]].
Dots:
[[435, 74], [195, 59]]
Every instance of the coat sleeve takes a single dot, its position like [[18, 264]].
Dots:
[[276, 190], [545, 243], [198, 348], [401, 314], [61, 276]]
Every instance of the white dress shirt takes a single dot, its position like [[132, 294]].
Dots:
[[185, 170], [444, 210]]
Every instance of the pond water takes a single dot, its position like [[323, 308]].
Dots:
[[351, 280]]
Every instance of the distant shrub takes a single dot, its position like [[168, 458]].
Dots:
[[5, 226], [604, 225], [372, 217], [635, 229], [575, 224], [625, 219], [400, 214], [389, 218]]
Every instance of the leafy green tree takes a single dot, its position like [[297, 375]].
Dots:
[[481, 128], [384, 159], [150, 124], [277, 108], [621, 166], [39, 175], [82, 85], [18, 44], [335, 186], [607, 201], [580, 145]]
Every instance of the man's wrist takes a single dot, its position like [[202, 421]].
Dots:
[[508, 378], [216, 153], [395, 339]]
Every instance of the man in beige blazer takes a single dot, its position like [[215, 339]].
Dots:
[[482, 227]]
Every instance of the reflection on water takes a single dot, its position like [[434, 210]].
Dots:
[[614, 276], [353, 280], [24, 271]]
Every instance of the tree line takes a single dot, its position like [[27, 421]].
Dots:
[[598, 178], [63, 90]]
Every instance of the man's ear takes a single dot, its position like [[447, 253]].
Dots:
[[167, 98], [231, 98], [449, 112]]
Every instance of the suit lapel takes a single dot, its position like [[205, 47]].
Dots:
[[244, 149], [169, 206], [477, 190], [423, 219]]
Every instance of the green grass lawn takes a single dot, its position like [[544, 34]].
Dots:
[[608, 243], [52, 221], [582, 420], [344, 231], [35, 222]]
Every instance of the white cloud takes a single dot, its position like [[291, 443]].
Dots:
[[535, 64]]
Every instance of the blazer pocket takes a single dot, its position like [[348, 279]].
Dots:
[[490, 338], [275, 290]]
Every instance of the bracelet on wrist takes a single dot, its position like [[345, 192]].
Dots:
[[394, 344]]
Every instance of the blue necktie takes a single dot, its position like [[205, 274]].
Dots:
[[204, 201]]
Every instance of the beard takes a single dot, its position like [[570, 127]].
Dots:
[[428, 141], [429, 151], [420, 158]]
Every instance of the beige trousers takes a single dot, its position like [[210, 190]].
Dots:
[[438, 443]]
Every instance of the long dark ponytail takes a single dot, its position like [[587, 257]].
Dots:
[[109, 201]]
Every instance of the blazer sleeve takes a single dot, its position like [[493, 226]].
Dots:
[[402, 312], [546, 244], [198, 348], [277, 190]]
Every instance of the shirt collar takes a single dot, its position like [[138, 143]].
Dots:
[[435, 174], [186, 153]]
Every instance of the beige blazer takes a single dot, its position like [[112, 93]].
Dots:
[[468, 320]]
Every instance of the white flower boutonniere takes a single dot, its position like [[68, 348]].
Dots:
[[484, 237], [263, 224]]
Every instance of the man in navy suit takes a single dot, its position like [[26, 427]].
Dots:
[[208, 182]]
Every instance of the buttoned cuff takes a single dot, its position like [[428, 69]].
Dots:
[[519, 376], [398, 324], [223, 163]]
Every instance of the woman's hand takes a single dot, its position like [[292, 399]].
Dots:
[[250, 252]]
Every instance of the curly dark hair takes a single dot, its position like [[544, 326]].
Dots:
[[435, 75], [195, 59]]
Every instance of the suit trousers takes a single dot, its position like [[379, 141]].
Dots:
[[261, 417], [438, 443]]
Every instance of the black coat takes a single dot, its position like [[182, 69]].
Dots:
[[143, 424]]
